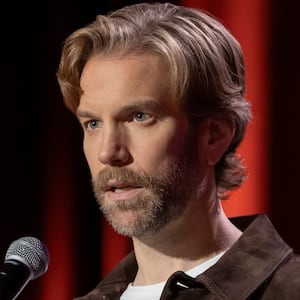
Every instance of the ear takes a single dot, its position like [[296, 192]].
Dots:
[[219, 134]]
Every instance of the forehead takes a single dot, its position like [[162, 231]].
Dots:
[[123, 79], [138, 68]]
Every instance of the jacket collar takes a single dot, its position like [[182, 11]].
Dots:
[[244, 267], [249, 262]]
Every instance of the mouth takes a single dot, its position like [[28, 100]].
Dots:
[[122, 189], [119, 187]]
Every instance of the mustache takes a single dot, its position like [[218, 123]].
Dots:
[[124, 175]]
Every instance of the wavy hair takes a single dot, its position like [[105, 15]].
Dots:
[[206, 66]]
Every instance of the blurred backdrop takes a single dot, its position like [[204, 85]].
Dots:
[[46, 189]]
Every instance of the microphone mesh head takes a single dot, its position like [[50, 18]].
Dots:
[[32, 252]]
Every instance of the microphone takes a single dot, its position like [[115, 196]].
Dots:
[[26, 259]]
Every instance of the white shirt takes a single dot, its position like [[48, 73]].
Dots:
[[153, 291]]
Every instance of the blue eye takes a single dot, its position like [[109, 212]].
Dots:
[[141, 117], [92, 124]]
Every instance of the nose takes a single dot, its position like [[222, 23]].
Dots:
[[113, 149]]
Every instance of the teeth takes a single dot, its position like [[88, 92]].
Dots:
[[120, 190]]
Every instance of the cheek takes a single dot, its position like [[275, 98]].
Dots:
[[91, 157], [161, 150], [177, 143]]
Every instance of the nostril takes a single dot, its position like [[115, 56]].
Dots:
[[116, 156]]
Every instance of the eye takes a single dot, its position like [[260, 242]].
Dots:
[[92, 124], [141, 116]]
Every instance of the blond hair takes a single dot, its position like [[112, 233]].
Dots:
[[205, 62]]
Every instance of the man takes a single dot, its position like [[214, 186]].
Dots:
[[159, 92]]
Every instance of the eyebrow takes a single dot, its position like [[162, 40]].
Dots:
[[148, 104], [143, 105], [84, 114]]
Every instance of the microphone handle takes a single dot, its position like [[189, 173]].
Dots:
[[13, 278]]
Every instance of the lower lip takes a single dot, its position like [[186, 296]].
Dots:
[[123, 195]]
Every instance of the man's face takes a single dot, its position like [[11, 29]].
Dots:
[[138, 144]]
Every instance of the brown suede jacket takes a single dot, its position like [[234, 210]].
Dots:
[[260, 265]]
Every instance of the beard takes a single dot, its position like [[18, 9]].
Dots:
[[164, 197]]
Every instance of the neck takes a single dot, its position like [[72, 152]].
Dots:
[[196, 236]]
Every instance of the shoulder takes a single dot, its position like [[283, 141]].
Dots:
[[289, 270], [285, 282], [114, 283]]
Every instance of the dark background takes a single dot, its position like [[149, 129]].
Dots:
[[36, 126]]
